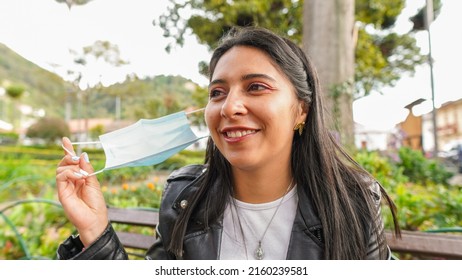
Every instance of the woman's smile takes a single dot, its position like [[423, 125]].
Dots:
[[237, 134]]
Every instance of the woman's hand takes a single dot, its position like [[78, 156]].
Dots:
[[80, 195]]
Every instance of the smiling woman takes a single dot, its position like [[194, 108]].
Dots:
[[275, 183], [251, 115]]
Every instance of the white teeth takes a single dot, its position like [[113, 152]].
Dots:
[[236, 134]]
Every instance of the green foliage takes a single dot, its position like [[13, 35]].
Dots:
[[423, 198], [74, 2], [96, 131], [32, 223], [15, 91], [422, 170], [122, 175], [8, 138], [27, 208], [145, 194], [148, 98], [423, 208], [382, 55], [105, 50], [48, 129], [382, 14], [419, 19], [183, 158], [382, 60], [381, 168], [23, 176], [210, 19], [39, 224], [71, 3]]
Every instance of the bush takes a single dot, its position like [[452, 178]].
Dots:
[[418, 187], [8, 138], [48, 129], [421, 170], [381, 168]]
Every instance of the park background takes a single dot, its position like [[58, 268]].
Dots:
[[83, 68]]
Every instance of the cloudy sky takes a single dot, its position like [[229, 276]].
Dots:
[[43, 31]]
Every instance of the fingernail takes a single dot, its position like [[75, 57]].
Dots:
[[78, 174], [83, 172], [75, 158], [85, 156]]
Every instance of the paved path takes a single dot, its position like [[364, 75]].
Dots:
[[456, 179]]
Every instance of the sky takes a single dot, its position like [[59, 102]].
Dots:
[[43, 31]]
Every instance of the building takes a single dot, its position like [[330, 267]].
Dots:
[[418, 129], [449, 126], [411, 127]]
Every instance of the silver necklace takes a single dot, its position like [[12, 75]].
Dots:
[[259, 253]]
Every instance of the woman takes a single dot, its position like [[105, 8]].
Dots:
[[275, 184]]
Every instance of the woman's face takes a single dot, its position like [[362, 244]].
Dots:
[[252, 109]]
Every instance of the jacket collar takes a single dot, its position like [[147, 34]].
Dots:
[[303, 236]]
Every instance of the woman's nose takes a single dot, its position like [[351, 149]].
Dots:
[[233, 105]]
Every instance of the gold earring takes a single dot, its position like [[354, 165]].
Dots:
[[300, 127]]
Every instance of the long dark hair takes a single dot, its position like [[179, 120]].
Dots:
[[339, 188]]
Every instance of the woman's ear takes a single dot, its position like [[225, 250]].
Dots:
[[302, 111]]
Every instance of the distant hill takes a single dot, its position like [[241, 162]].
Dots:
[[140, 98], [152, 97], [45, 89]]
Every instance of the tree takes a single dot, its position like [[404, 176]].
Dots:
[[419, 19], [329, 41], [381, 56], [85, 60], [71, 3], [48, 129], [14, 92]]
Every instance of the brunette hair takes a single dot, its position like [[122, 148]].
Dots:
[[339, 187]]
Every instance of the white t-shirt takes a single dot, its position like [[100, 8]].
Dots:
[[254, 219]]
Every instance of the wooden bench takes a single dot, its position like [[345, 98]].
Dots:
[[136, 243], [427, 245], [421, 245]]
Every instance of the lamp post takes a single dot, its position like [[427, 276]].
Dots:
[[428, 21]]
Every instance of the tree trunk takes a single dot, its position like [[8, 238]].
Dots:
[[328, 39]]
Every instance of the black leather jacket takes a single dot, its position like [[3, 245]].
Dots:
[[204, 243]]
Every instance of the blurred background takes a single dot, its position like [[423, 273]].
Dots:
[[82, 68]]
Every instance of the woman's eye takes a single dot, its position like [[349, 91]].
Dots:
[[257, 87], [215, 93]]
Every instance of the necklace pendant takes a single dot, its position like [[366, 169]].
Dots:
[[259, 253]]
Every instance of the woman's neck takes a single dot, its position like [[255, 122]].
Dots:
[[260, 186]]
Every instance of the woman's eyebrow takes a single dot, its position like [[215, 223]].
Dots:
[[243, 78], [257, 75], [217, 81]]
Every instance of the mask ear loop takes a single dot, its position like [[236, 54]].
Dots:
[[194, 111], [197, 111], [73, 154], [69, 152]]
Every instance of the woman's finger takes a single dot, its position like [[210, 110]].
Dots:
[[86, 168], [67, 146], [64, 175]]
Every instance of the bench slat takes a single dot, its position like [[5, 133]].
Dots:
[[133, 216], [135, 240], [426, 243]]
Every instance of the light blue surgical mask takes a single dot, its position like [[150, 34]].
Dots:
[[146, 142]]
